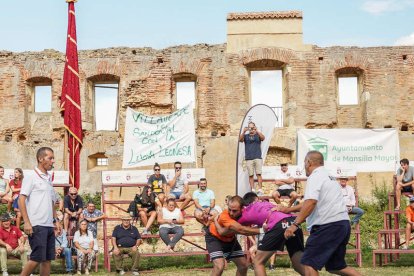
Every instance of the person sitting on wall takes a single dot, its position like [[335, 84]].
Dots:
[[63, 249], [145, 206], [405, 181], [158, 183], [179, 186], [169, 219], [4, 190], [15, 186], [73, 205], [11, 243], [349, 197], [83, 241], [285, 185], [205, 203], [126, 240], [92, 216]]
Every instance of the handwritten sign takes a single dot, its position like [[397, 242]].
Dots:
[[163, 139]]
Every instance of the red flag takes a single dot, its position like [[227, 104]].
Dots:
[[70, 99]]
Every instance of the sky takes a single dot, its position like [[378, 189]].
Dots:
[[29, 25]]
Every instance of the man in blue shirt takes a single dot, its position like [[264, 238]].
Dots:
[[252, 139], [205, 203]]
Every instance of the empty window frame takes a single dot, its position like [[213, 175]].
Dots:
[[185, 91], [267, 88], [348, 90], [43, 98], [102, 161], [106, 106]]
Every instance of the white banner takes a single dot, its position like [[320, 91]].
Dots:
[[265, 120], [164, 139], [141, 176], [59, 177], [362, 150], [298, 172]]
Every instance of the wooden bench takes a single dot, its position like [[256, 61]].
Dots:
[[380, 252]]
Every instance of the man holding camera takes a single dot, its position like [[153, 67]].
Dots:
[[253, 154]]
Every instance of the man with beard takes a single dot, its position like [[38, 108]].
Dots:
[[273, 223]]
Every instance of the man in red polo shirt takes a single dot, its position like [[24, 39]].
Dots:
[[11, 243]]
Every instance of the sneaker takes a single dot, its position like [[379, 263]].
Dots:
[[5, 273], [145, 232], [121, 272], [260, 192], [404, 247], [79, 272], [86, 271], [271, 267], [135, 273]]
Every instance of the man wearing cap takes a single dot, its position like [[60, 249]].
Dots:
[[11, 243], [126, 240], [349, 197], [285, 182], [409, 212]]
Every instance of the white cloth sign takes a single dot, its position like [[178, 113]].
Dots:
[[163, 139], [364, 150], [265, 119]]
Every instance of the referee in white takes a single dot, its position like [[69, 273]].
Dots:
[[326, 218], [36, 202]]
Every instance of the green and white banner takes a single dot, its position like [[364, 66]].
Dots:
[[365, 150], [161, 139]]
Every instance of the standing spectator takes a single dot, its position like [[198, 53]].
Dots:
[[179, 186], [83, 241], [36, 202], [4, 190], [405, 181], [62, 248], [15, 186], [253, 154], [92, 216], [126, 240], [145, 204], [326, 218], [349, 196], [205, 203], [11, 243], [409, 212], [169, 219], [285, 183], [73, 205], [158, 183]]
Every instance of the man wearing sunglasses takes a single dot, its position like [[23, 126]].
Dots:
[[252, 139], [73, 205], [179, 186]]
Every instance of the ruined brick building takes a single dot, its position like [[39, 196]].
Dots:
[[147, 78]]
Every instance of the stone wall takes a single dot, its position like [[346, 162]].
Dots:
[[147, 83]]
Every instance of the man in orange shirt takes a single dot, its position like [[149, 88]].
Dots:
[[226, 247], [409, 211]]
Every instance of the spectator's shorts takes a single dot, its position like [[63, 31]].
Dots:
[[176, 194], [42, 243], [285, 192], [253, 166], [326, 246]]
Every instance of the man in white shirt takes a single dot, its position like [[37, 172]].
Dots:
[[284, 182], [326, 218], [36, 202], [349, 196]]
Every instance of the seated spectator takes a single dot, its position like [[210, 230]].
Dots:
[[73, 205], [11, 243], [285, 183], [409, 212], [15, 186], [158, 182], [405, 181], [226, 202], [169, 219], [179, 186], [205, 203], [92, 216], [349, 198], [4, 190], [126, 240], [83, 241], [145, 204], [59, 203], [63, 249]]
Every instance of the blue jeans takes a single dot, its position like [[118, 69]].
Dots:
[[358, 214], [67, 253]]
